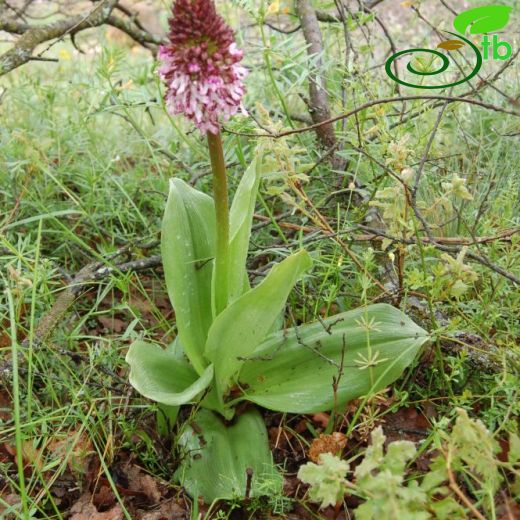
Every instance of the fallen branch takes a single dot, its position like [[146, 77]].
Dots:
[[380, 234], [452, 245], [85, 277], [97, 271]]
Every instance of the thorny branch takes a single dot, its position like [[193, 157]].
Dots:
[[447, 100]]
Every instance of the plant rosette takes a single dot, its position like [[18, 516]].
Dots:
[[231, 347]]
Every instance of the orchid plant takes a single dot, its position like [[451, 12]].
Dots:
[[231, 347]]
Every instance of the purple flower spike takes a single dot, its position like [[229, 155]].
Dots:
[[199, 65]]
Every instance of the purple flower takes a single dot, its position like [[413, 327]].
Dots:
[[199, 65]]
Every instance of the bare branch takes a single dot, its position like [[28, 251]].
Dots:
[[13, 26], [319, 103], [33, 35], [326, 17], [376, 102], [132, 29]]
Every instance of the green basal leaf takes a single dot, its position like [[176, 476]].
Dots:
[[216, 458], [486, 19], [187, 246], [240, 328], [240, 219], [162, 377], [166, 417], [293, 371]]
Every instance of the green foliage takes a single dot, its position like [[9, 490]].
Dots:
[[327, 479], [187, 247], [217, 458], [225, 341], [240, 220], [379, 340], [381, 477], [457, 275], [174, 381], [85, 159], [364, 350], [238, 330], [470, 448]]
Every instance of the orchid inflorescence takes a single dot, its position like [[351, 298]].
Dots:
[[200, 65]]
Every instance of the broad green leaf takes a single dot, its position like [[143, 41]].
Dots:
[[216, 458], [293, 371], [240, 219], [187, 246], [242, 326], [160, 376], [486, 19], [175, 349]]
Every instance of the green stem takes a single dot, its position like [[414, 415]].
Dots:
[[220, 194]]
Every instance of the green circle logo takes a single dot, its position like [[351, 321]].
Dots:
[[448, 45]]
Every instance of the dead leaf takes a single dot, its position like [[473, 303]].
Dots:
[[140, 304], [5, 337], [509, 510], [32, 456], [279, 437], [84, 509], [412, 425], [112, 324], [143, 483], [104, 497], [78, 448], [334, 444], [169, 509], [406, 421], [5, 403], [451, 45], [322, 419]]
